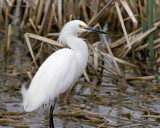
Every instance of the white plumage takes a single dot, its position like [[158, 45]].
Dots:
[[60, 70]]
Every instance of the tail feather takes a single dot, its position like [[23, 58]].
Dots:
[[27, 105], [23, 91], [24, 95], [31, 100]]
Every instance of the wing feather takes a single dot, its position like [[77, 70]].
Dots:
[[54, 76]]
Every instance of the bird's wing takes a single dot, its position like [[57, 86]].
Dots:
[[54, 76]]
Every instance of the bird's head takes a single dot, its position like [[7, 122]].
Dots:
[[73, 27], [77, 26]]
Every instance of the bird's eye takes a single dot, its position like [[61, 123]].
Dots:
[[80, 26]]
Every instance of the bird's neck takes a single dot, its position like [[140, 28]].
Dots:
[[79, 47], [81, 50], [75, 43]]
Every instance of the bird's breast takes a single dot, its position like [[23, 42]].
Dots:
[[82, 59]]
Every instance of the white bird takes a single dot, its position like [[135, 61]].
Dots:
[[60, 70]]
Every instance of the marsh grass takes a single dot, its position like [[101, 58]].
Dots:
[[45, 18], [136, 22]]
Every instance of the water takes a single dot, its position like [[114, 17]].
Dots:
[[107, 105]]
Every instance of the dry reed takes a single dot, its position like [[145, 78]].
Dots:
[[44, 19]]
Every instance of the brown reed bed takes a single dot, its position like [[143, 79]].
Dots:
[[41, 21], [43, 18]]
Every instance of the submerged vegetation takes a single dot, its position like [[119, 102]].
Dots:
[[123, 68]]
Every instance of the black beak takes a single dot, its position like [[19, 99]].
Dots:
[[95, 30]]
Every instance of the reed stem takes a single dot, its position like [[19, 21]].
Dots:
[[145, 27], [150, 40], [6, 36]]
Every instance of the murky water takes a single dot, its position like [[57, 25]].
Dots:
[[86, 106]]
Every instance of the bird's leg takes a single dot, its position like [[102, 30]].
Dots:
[[51, 125]]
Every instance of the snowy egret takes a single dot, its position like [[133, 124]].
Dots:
[[60, 70]]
